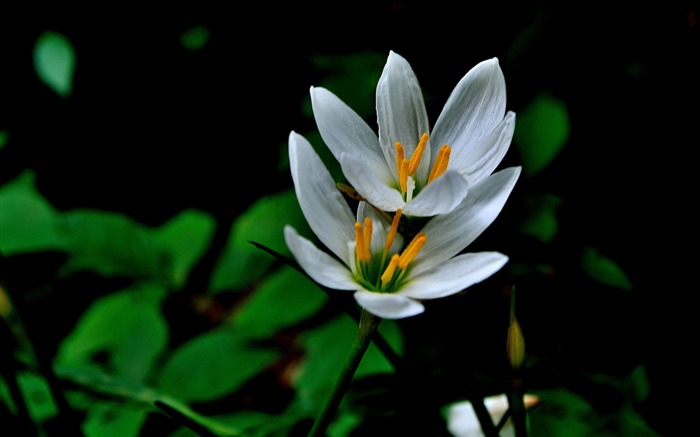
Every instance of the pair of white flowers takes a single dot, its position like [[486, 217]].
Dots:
[[406, 172]]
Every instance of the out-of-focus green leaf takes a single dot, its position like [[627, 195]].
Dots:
[[37, 396], [111, 244], [632, 424], [541, 130], [253, 423], [5, 396], [284, 298], [563, 413], [212, 365], [603, 269], [344, 424], [639, 384], [185, 238], [4, 137], [195, 38], [121, 334], [94, 380], [27, 220], [327, 349], [242, 263], [54, 62], [353, 77], [542, 222], [111, 419]]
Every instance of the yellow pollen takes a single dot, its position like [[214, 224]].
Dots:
[[440, 164], [390, 269], [400, 158], [392, 230], [359, 242], [403, 175], [412, 250], [368, 239], [417, 154]]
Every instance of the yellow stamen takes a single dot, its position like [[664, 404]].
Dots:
[[400, 158], [392, 230], [412, 250], [417, 154], [390, 269], [403, 175], [440, 164], [359, 242], [368, 239]]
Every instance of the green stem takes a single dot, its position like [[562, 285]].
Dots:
[[517, 407], [368, 326]]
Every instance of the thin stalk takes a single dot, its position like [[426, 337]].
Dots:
[[517, 407], [368, 326]]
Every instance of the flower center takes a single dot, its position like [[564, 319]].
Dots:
[[407, 167], [384, 269]]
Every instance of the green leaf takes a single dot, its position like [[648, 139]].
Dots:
[[54, 62], [28, 223], [604, 269], [327, 349], [195, 38], [37, 396], [542, 222], [185, 238], [253, 423], [242, 263], [95, 380], [212, 365], [5, 396], [541, 130], [284, 298], [564, 413], [4, 138], [111, 419], [344, 424], [111, 244], [121, 334]]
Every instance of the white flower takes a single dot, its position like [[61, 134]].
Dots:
[[368, 255], [406, 166], [462, 421]]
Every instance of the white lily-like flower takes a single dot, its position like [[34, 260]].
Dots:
[[368, 254], [406, 166], [462, 420]]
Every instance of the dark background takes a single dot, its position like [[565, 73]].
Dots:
[[151, 129]]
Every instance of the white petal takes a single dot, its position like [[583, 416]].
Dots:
[[344, 131], [401, 113], [320, 266], [462, 421], [324, 207], [365, 180], [454, 275], [483, 159], [388, 306], [473, 110], [449, 234], [439, 197]]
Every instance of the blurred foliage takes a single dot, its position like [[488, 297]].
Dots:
[[195, 38], [542, 129], [55, 62]]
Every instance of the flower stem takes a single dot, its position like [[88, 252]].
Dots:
[[517, 407], [367, 328]]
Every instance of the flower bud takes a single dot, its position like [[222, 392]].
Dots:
[[515, 344]]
